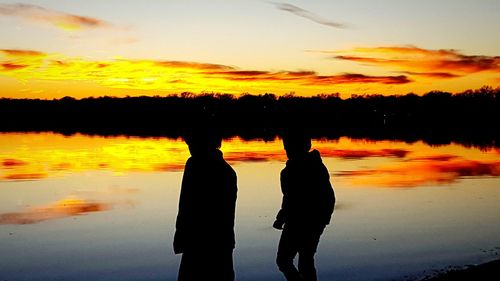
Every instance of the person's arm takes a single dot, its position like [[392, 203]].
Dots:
[[233, 196], [282, 213], [328, 197], [182, 214]]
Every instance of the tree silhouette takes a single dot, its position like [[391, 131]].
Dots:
[[470, 117]]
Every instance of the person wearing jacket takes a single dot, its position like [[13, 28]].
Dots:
[[307, 206], [205, 221]]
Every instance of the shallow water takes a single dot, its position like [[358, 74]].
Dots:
[[96, 208]]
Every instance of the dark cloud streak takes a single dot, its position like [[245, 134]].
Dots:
[[308, 15]]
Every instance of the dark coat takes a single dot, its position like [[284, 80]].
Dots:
[[205, 220], [308, 196]]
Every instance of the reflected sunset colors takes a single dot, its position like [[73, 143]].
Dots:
[[122, 193], [386, 163]]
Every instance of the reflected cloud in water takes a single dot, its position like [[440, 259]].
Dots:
[[69, 207], [255, 156], [25, 176], [354, 154], [440, 169], [169, 167], [361, 154], [36, 156]]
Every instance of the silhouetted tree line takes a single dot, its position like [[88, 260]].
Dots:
[[471, 117]]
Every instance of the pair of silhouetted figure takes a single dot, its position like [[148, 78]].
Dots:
[[205, 221]]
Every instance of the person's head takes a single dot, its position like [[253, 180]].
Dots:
[[297, 144], [202, 141]]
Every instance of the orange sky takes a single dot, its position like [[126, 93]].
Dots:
[[59, 48]]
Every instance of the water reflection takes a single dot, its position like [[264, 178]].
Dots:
[[38, 156], [68, 207], [382, 232], [439, 169]]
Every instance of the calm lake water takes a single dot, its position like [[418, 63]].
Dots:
[[96, 208]]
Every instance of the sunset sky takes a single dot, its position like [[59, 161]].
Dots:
[[56, 48]]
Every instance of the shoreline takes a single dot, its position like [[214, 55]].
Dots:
[[485, 271]]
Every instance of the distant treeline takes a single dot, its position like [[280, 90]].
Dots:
[[471, 117]]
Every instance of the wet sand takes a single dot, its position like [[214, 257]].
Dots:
[[487, 271]]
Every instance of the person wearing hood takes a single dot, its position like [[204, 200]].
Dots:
[[205, 220], [307, 206]]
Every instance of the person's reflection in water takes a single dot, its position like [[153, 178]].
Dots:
[[307, 207], [205, 221]]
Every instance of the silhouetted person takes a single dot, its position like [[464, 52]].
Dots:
[[307, 207], [205, 221]]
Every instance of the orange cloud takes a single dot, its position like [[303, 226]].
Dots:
[[440, 64], [8, 163], [161, 75], [425, 170], [353, 78], [57, 19], [436, 75], [21, 53], [193, 65], [61, 209], [306, 77], [12, 66]]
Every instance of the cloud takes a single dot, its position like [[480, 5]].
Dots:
[[440, 64], [21, 53], [353, 78], [193, 65], [308, 15], [161, 74], [12, 66], [436, 75], [13, 59], [10, 163], [423, 171], [65, 21], [307, 77], [61, 209]]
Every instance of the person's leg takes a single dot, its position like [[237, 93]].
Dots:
[[222, 266], [308, 246], [287, 250], [185, 268], [307, 268], [198, 266]]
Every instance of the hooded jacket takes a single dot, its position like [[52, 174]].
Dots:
[[308, 196], [207, 202]]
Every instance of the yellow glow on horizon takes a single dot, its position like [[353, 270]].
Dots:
[[43, 75]]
